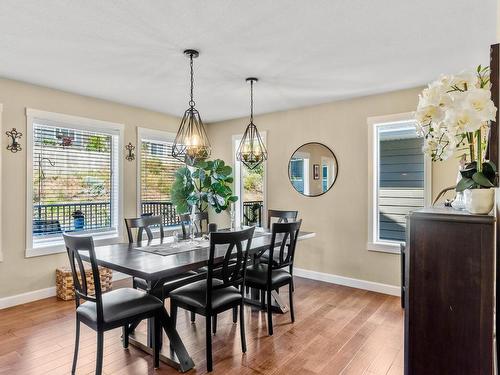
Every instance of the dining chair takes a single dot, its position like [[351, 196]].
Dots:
[[221, 291], [281, 216], [142, 225], [200, 222], [272, 275], [103, 312]]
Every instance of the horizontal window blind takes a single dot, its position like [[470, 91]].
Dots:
[[72, 180], [158, 168]]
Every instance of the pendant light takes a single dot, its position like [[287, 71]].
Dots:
[[251, 151], [191, 142]]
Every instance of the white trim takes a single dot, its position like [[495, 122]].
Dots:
[[237, 181], [153, 135], [392, 290], [55, 119], [1, 179], [36, 295], [373, 124], [19, 299]]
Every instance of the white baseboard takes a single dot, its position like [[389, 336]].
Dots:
[[35, 295], [19, 299], [392, 290]]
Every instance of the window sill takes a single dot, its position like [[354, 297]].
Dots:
[[57, 245], [384, 247]]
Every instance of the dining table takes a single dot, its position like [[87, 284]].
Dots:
[[162, 259]]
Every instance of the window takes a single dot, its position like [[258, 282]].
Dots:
[[73, 172], [400, 180], [250, 187], [157, 174]]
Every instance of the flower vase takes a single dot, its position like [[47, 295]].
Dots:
[[459, 201]]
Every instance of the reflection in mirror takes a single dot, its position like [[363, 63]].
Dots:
[[312, 169]]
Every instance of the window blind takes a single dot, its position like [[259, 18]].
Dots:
[[72, 183], [158, 168]]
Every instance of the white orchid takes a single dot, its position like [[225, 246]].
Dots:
[[480, 101], [454, 110]]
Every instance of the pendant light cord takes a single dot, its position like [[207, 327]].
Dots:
[[251, 102], [191, 102]]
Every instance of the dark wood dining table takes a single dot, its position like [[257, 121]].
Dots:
[[147, 261]]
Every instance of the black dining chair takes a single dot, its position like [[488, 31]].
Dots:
[[280, 216], [103, 312], [222, 290], [144, 224], [200, 223], [275, 216], [272, 275]]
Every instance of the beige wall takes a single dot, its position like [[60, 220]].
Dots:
[[17, 273], [339, 217]]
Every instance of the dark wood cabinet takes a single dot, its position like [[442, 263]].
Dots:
[[449, 278]]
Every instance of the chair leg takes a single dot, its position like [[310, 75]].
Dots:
[[269, 314], [100, 352], [262, 299], [173, 312], [235, 314], [214, 324], [77, 345], [208, 330], [290, 292], [125, 329], [156, 342], [242, 329], [133, 326], [193, 316]]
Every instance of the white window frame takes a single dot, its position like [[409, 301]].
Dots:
[[1, 178], [374, 123], [152, 135], [237, 180], [53, 246]]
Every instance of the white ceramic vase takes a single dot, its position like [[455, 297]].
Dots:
[[479, 201]]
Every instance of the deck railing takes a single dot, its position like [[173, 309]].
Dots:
[[58, 217], [252, 213]]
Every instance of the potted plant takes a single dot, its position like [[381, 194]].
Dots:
[[207, 183], [453, 116]]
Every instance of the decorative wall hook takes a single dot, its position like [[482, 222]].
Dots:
[[130, 149], [14, 135]]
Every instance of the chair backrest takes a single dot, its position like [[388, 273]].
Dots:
[[233, 268], [288, 234], [74, 245], [199, 219], [143, 224], [281, 216]]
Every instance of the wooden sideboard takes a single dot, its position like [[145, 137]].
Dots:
[[449, 284]]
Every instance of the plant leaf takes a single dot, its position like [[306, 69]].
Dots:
[[480, 179], [464, 183]]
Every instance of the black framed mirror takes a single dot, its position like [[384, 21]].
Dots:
[[312, 169]]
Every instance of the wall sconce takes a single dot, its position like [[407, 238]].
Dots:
[[130, 151], [14, 135]]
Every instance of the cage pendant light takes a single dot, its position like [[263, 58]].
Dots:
[[251, 151], [191, 142]]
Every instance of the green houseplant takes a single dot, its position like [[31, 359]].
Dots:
[[206, 184]]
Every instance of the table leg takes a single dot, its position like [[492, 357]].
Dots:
[[175, 354], [278, 305]]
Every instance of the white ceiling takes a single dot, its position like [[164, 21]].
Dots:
[[304, 52]]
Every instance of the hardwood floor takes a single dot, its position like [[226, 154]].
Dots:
[[338, 330]]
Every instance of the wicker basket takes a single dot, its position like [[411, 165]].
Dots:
[[64, 281]]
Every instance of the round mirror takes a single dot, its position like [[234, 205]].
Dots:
[[312, 169]]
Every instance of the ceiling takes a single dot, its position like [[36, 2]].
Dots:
[[304, 52]]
